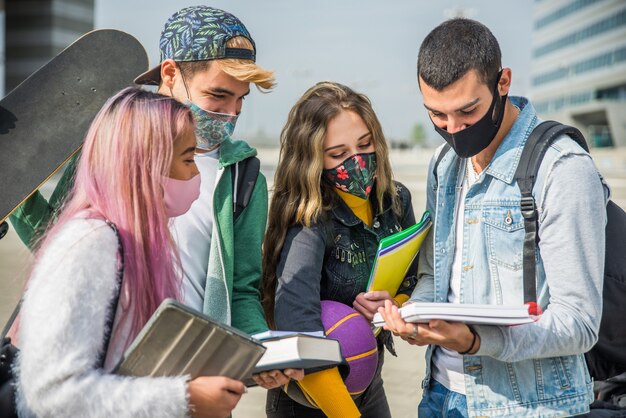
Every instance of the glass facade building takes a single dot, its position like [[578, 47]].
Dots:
[[578, 66]]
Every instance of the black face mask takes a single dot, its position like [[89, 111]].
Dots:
[[473, 139]]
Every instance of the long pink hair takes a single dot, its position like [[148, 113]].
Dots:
[[128, 148]]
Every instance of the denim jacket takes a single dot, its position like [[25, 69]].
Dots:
[[536, 369], [332, 260]]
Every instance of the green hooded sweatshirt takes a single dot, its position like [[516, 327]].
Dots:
[[232, 293]]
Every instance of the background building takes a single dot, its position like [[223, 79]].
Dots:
[[578, 67], [37, 30]]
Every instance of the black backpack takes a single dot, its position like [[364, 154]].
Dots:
[[607, 359]]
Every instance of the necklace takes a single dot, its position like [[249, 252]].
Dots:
[[470, 176], [473, 167], [472, 173]]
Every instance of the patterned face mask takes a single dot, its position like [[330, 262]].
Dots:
[[355, 175], [212, 128]]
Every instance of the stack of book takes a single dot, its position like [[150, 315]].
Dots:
[[292, 350], [179, 341]]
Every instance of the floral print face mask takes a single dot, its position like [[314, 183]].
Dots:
[[212, 128], [355, 175]]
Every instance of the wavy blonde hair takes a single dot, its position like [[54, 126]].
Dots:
[[300, 196], [242, 70]]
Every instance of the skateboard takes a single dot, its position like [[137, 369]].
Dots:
[[44, 120]]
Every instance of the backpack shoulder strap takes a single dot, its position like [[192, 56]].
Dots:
[[442, 154], [536, 146], [8, 325], [534, 150], [119, 278], [244, 175]]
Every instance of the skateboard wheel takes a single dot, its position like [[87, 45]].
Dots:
[[4, 228]]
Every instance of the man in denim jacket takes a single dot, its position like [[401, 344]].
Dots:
[[474, 251]]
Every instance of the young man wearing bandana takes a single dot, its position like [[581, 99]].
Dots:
[[208, 62], [474, 251]]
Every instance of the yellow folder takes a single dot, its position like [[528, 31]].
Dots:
[[395, 255]]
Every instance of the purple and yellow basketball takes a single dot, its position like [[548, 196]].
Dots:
[[357, 341], [358, 347]]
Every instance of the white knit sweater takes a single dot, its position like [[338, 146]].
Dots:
[[62, 332]]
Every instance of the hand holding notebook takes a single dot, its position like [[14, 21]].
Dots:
[[462, 312]]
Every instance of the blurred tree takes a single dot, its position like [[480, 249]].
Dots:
[[418, 135]]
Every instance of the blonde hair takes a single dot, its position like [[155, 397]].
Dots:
[[240, 69], [300, 196]]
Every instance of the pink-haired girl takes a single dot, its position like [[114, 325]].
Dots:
[[136, 170]]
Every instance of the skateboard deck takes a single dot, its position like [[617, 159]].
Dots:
[[44, 120]]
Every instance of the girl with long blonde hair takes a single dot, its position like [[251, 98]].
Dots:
[[334, 199]]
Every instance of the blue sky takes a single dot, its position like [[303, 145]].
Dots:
[[369, 45]]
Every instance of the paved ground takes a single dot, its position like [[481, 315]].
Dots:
[[402, 374]]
